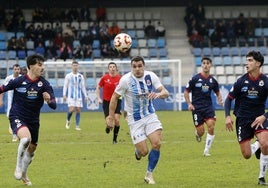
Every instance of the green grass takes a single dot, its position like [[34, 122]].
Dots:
[[73, 159]]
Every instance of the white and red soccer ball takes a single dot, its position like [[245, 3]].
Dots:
[[122, 42]]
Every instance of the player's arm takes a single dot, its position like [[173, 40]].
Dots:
[[187, 99], [65, 86], [162, 93], [113, 103], [1, 99], [49, 97], [98, 94], [219, 97], [227, 110]]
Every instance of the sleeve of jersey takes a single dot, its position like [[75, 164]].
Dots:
[[156, 81], [65, 85], [121, 87], [84, 87]]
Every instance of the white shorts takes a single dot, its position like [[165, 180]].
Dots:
[[75, 103], [139, 130]]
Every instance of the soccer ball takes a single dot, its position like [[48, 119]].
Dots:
[[122, 42]]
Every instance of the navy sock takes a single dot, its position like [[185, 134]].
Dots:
[[153, 159]]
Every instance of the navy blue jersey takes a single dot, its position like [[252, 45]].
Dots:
[[201, 88], [28, 97], [251, 94]]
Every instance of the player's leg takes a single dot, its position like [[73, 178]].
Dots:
[[263, 140], [117, 121], [210, 136], [69, 115], [77, 118], [24, 136], [198, 121], [26, 161]]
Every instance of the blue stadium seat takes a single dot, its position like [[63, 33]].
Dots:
[[161, 42], [234, 51], [206, 51], [76, 43], [227, 60], [3, 45], [225, 51], [96, 44], [151, 43], [30, 52], [236, 60], [258, 32], [22, 54], [216, 51], [11, 54], [2, 36], [134, 43], [162, 52], [3, 54], [153, 53], [197, 52], [197, 61], [263, 50], [96, 53], [217, 61], [243, 51], [132, 33]]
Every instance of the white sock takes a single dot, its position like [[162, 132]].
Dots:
[[23, 145], [254, 147], [209, 140], [263, 165], [27, 159]]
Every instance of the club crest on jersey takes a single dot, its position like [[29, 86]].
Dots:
[[261, 83], [40, 84]]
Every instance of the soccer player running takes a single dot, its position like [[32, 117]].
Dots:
[[139, 88], [251, 90], [74, 86], [201, 85], [16, 73], [30, 92], [108, 82]]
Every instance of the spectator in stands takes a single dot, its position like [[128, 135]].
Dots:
[[85, 14], [87, 51], [94, 30], [149, 30], [21, 42], [48, 33], [58, 40], [12, 44], [221, 29], [160, 30], [215, 39], [77, 52], [250, 28], [2, 15], [104, 38], [86, 39], [38, 30], [113, 30], [65, 51], [106, 50], [30, 33], [8, 21], [191, 27], [101, 13], [203, 30], [57, 28], [38, 40], [68, 39], [37, 15], [104, 28], [239, 28], [51, 50], [195, 39], [40, 49], [72, 15], [230, 34]]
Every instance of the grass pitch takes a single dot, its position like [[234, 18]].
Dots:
[[88, 159]]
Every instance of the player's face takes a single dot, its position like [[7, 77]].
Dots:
[[75, 68], [37, 69], [251, 64], [16, 71], [137, 68], [206, 64], [112, 69]]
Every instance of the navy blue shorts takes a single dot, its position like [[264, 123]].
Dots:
[[105, 107], [16, 123], [201, 116], [244, 131]]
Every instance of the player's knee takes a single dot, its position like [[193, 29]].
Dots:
[[246, 155], [25, 141], [143, 152]]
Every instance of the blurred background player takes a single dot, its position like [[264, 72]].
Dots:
[[74, 86], [108, 82], [16, 73], [201, 106]]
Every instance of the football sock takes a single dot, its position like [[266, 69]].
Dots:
[[69, 115], [263, 165], [116, 131], [77, 119], [153, 159], [23, 145], [254, 147], [209, 141], [26, 161]]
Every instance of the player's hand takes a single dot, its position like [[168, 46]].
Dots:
[[64, 98], [258, 122], [191, 107], [229, 123], [153, 95], [46, 97], [110, 122]]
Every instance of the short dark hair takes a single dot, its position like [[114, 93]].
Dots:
[[33, 59], [256, 55], [112, 63], [74, 62], [15, 65], [138, 58], [206, 58]]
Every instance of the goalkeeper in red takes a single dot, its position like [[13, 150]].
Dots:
[[30, 92]]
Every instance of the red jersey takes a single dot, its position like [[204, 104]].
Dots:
[[108, 83]]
